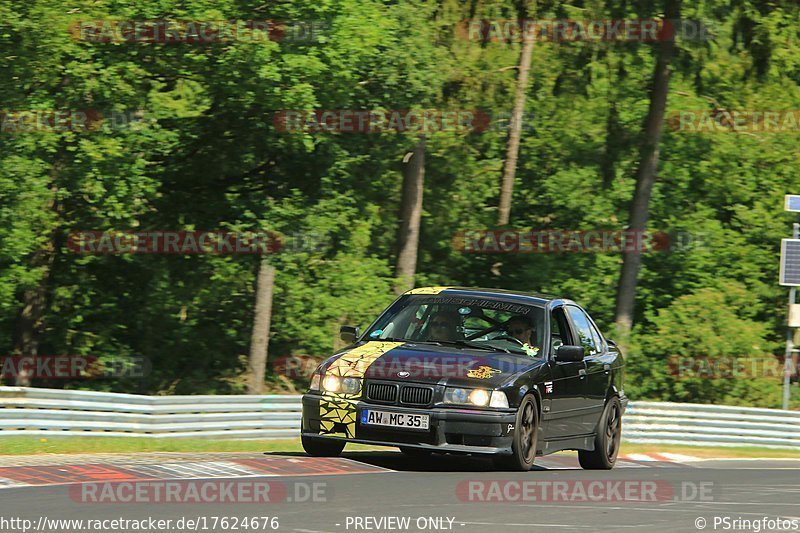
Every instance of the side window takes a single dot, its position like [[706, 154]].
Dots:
[[559, 332], [585, 330], [598, 339]]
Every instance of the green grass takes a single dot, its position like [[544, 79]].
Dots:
[[710, 452], [129, 445]]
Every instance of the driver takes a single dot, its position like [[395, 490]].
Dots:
[[520, 328]]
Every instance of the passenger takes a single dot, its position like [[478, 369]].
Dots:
[[444, 327]]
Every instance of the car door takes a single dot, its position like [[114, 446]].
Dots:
[[598, 369], [563, 395], [599, 374]]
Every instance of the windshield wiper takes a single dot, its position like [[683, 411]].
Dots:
[[410, 341], [387, 339], [475, 345], [437, 342]]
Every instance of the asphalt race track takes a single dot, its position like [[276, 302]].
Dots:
[[386, 491]]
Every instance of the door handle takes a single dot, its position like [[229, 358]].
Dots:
[[607, 368], [582, 372]]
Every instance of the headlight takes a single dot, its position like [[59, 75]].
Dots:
[[315, 381], [452, 395], [499, 399], [479, 397], [331, 383], [351, 385], [476, 397], [342, 385]]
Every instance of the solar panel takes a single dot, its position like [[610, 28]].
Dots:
[[790, 262], [792, 203]]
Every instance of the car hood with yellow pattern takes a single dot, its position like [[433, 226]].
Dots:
[[430, 364]]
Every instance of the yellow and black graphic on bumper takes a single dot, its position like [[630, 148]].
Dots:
[[338, 411]]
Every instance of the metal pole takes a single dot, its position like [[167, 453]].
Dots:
[[788, 366]]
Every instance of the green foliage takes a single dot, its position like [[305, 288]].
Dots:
[[705, 347], [204, 154]]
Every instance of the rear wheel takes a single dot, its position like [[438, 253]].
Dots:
[[523, 447], [322, 447], [606, 442]]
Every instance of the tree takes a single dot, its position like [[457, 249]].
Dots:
[[515, 125], [410, 215], [646, 174], [259, 341]]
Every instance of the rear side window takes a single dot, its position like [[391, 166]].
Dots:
[[588, 336]]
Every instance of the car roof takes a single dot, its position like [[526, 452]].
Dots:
[[504, 294]]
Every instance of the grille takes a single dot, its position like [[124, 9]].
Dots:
[[416, 395], [382, 392]]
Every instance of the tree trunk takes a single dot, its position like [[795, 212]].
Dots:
[[410, 215], [259, 341], [30, 319], [515, 130], [646, 175]]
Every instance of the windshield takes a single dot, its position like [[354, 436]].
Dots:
[[471, 322]]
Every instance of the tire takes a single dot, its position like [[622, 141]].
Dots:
[[606, 442], [322, 447], [414, 452], [526, 434]]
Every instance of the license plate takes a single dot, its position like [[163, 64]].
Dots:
[[395, 420]]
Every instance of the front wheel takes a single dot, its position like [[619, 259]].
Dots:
[[322, 447], [606, 442], [523, 446]]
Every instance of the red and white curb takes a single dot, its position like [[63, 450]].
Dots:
[[663, 457], [234, 467], [68, 469]]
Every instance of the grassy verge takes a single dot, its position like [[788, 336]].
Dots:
[[37, 445], [125, 445], [742, 452]]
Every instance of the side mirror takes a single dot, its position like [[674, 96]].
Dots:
[[349, 333], [569, 354]]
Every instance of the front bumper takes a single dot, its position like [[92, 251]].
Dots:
[[450, 430]]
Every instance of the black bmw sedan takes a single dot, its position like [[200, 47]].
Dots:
[[472, 371]]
